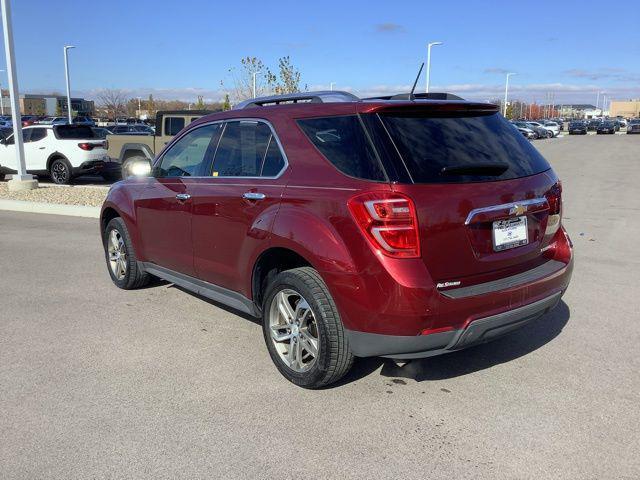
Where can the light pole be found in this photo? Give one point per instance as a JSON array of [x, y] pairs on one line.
[[1, 99], [429, 45], [21, 181], [506, 93], [331, 86], [66, 74]]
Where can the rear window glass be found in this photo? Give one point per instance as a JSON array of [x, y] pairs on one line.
[[73, 132], [462, 148], [343, 141], [173, 125]]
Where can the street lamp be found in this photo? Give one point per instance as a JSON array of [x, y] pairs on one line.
[[66, 74], [331, 86], [21, 181], [506, 93], [1, 99], [429, 45]]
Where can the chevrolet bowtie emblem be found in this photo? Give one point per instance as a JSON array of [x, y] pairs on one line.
[[518, 210]]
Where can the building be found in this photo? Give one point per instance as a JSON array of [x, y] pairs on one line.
[[625, 108], [32, 104], [577, 110]]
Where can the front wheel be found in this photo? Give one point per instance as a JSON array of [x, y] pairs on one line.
[[303, 331], [121, 258]]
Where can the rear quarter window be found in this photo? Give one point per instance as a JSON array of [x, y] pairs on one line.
[[342, 140], [73, 132], [431, 147]]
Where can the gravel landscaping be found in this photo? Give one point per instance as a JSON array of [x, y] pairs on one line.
[[89, 196]]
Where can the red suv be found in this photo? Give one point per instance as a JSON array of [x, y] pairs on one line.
[[398, 227]]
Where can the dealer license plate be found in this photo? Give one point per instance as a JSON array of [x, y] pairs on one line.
[[510, 233]]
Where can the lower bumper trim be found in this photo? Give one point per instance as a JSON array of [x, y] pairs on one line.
[[479, 331]]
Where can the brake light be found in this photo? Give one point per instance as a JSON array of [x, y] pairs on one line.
[[554, 198], [389, 222], [86, 146]]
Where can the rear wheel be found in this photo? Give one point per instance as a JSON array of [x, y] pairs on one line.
[[60, 171], [121, 257], [303, 331]]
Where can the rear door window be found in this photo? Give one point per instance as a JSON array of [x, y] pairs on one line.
[[247, 149], [462, 148], [38, 134], [343, 141]]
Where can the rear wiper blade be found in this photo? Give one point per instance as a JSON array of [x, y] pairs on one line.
[[490, 169]]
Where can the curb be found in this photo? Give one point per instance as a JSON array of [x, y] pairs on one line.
[[50, 208]]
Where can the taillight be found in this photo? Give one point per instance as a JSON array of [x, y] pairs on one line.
[[389, 222], [554, 198], [86, 146]]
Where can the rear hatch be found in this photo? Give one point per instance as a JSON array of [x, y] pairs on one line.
[[84, 137], [482, 192]]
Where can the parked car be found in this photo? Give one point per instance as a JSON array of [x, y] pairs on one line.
[[137, 144], [350, 228], [606, 127], [101, 132], [593, 124], [577, 127], [633, 126], [525, 130], [28, 120], [6, 122], [554, 127], [61, 151], [84, 121], [622, 122], [129, 130], [541, 132], [5, 132]]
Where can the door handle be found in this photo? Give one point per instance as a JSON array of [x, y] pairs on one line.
[[183, 197], [42, 148], [255, 196]]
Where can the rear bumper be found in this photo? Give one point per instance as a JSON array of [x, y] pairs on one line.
[[89, 166], [479, 331]]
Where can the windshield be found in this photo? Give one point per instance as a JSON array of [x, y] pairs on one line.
[[433, 147]]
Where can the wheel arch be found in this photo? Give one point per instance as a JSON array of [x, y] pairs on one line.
[[130, 150], [56, 156], [268, 264]]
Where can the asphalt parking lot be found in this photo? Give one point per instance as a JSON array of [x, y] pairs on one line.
[[158, 383]]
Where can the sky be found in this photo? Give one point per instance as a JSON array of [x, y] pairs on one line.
[[570, 49]]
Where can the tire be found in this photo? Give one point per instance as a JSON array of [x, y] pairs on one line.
[[111, 177], [549, 134], [126, 164], [116, 239], [60, 171], [2, 175], [319, 322]]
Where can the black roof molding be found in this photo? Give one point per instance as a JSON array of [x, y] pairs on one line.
[[418, 96]]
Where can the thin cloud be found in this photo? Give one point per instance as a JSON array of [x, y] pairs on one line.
[[614, 74], [496, 70], [389, 27]]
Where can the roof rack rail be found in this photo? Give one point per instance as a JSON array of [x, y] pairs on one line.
[[418, 96], [325, 96]]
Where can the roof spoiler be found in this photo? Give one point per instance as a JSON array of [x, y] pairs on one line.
[[418, 96]]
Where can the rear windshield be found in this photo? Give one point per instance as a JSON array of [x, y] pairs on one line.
[[74, 132], [458, 149]]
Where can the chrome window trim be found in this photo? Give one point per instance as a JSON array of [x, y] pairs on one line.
[[493, 208], [225, 121]]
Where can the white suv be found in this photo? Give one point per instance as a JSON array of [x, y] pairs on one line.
[[61, 151]]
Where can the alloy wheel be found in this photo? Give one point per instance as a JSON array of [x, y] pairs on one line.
[[294, 330], [59, 172], [117, 254]]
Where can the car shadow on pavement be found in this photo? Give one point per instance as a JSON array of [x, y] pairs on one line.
[[514, 345]]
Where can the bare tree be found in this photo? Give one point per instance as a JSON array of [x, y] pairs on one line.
[[113, 101], [287, 80], [243, 78]]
